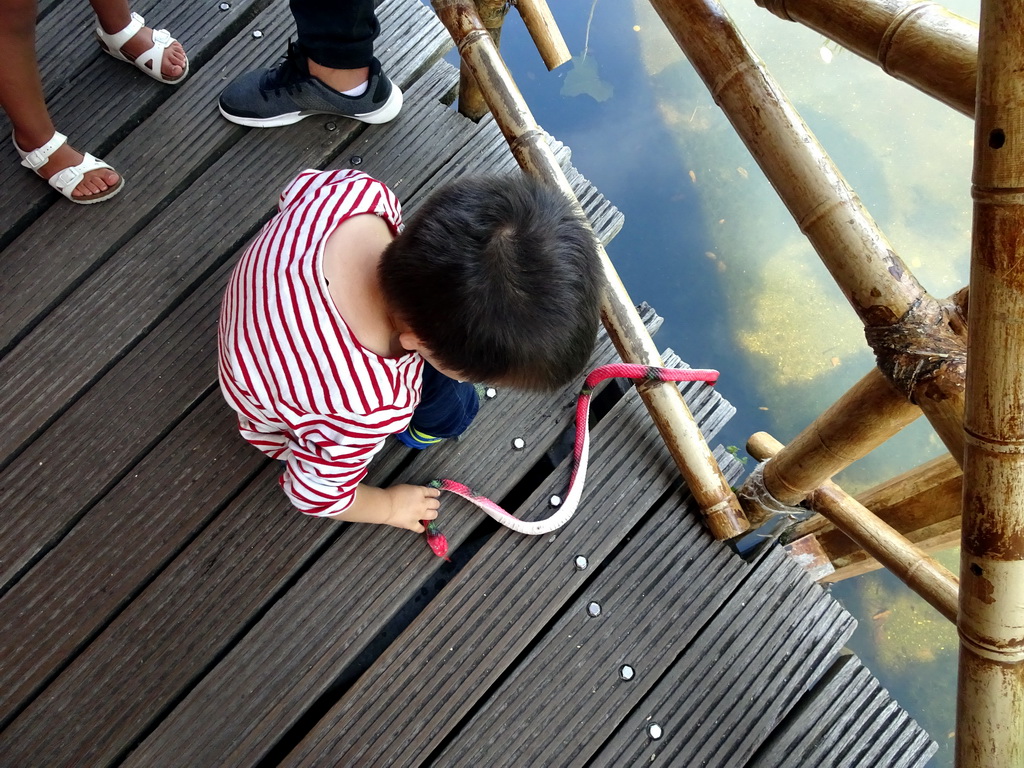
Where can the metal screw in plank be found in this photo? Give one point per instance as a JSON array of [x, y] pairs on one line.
[[581, 563], [626, 672], [654, 731], [518, 444], [593, 610], [256, 34]]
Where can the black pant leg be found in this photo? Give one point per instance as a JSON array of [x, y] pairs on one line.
[[338, 34]]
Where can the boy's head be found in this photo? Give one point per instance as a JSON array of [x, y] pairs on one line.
[[499, 278]]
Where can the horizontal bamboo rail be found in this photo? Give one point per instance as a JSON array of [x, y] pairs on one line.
[[923, 574], [922, 504], [704, 478], [545, 33], [990, 693], [920, 43]]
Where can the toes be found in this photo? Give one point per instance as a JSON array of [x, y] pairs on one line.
[[108, 177], [174, 61], [96, 182]]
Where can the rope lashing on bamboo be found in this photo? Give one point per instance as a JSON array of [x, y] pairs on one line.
[[755, 492], [581, 453], [918, 346]]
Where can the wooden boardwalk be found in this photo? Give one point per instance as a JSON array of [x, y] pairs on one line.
[[161, 605]]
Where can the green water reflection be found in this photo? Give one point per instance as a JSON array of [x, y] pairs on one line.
[[709, 244]]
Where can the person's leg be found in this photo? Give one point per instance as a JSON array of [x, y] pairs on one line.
[[331, 71], [21, 96], [337, 40], [447, 408], [115, 15]]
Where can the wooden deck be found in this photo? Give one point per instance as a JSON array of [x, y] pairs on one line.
[[160, 604]]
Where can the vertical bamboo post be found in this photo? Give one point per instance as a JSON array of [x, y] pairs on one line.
[[545, 33], [990, 695], [471, 101], [920, 43], [706, 482]]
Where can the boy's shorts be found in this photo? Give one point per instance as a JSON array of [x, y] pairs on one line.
[[447, 407]]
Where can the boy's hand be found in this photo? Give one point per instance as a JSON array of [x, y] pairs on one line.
[[410, 504]]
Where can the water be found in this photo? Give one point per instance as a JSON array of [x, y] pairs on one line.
[[708, 244]]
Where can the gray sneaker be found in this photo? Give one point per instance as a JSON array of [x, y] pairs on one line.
[[288, 93]]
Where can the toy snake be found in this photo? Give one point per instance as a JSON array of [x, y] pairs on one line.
[[581, 449]]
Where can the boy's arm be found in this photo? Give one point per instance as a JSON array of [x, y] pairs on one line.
[[402, 506]]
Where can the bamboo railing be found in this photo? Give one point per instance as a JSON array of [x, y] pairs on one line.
[[922, 504], [919, 342], [920, 43], [705, 480], [926, 576], [471, 100], [990, 694], [542, 28]]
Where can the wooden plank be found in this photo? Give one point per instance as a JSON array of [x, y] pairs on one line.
[[96, 100], [140, 664], [68, 243], [147, 277], [75, 526], [217, 589], [220, 723], [567, 696], [59, 458], [728, 689], [847, 720], [436, 673]]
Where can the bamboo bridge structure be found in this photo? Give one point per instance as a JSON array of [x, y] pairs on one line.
[[974, 495], [207, 627]]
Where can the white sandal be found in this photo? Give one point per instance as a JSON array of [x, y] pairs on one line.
[[151, 62], [67, 180]]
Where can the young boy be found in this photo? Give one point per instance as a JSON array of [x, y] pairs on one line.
[[339, 327]]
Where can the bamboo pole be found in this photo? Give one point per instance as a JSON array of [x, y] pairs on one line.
[[706, 482], [471, 101], [922, 504], [866, 416], [918, 341], [990, 694], [920, 43], [545, 33], [923, 574], [871, 412]]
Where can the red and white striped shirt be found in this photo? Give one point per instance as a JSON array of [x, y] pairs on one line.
[[306, 391]]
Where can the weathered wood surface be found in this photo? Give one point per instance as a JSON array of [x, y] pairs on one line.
[[160, 604], [847, 711]]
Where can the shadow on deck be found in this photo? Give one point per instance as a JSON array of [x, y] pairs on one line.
[[160, 604]]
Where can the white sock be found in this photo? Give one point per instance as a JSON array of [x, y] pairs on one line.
[[359, 90]]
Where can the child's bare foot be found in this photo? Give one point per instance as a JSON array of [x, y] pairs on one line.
[[95, 182], [173, 65]]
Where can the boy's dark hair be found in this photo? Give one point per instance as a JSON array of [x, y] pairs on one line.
[[499, 277]]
